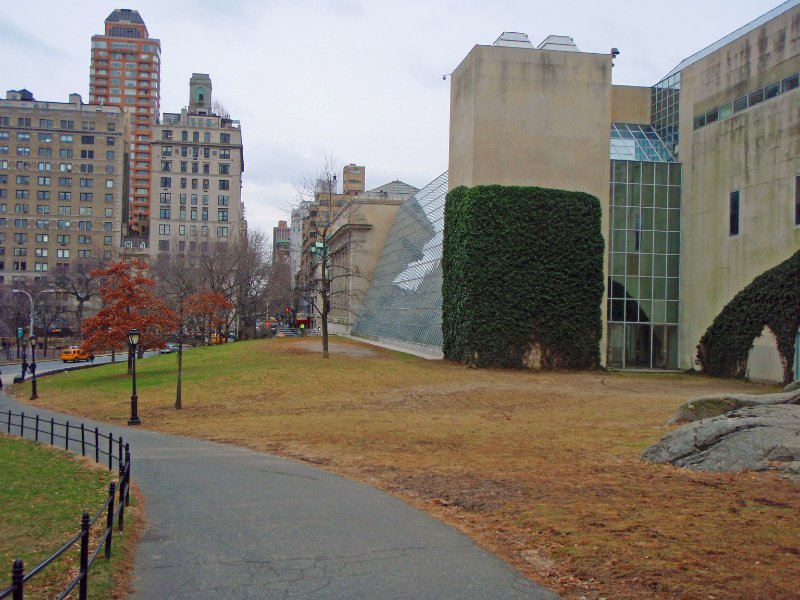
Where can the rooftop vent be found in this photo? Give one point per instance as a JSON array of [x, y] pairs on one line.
[[513, 39], [558, 42]]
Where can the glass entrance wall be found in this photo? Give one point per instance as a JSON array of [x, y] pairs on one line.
[[644, 261]]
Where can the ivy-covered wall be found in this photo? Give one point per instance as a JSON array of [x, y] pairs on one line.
[[771, 299], [522, 278]]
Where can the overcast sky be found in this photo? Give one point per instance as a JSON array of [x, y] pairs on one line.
[[357, 80]]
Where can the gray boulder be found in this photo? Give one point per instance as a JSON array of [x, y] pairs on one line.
[[795, 385], [758, 438], [715, 405]]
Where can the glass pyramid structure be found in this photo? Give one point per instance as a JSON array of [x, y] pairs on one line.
[[403, 305]]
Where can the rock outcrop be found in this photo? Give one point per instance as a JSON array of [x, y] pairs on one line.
[[715, 405], [758, 435]]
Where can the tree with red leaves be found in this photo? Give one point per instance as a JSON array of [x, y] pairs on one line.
[[209, 310], [129, 302]]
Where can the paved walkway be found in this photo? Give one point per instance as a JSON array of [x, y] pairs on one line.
[[223, 522]]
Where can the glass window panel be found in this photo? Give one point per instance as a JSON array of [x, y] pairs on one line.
[[620, 171], [618, 241], [672, 312], [673, 265], [790, 82], [647, 172], [659, 311], [618, 310], [711, 116], [674, 196], [647, 219], [647, 244], [646, 264], [645, 310], [673, 242], [672, 288], [740, 104], [660, 196], [635, 172], [660, 219], [645, 287], [620, 192], [632, 264], [755, 98], [632, 286], [647, 194], [661, 173], [726, 110], [618, 263], [659, 288], [674, 223], [659, 244], [675, 173], [772, 90]]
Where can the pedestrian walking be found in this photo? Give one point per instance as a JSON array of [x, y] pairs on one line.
[[24, 368]]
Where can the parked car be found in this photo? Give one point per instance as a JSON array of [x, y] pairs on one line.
[[169, 348], [75, 354]]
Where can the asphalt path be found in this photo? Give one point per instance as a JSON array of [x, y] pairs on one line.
[[224, 522]]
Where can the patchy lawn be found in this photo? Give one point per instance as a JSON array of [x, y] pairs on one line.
[[43, 492], [541, 468]]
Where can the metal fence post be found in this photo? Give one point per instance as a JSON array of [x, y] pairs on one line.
[[96, 445], [83, 440], [17, 580], [22, 425], [119, 453], [110, 449], [112, 489], [9, 422], [66, 436], [128, 473], [84, 557], [36, 434], [123, 483], [52, 431]]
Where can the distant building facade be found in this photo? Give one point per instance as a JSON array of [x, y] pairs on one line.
[[61, 185], [698, 177], [125, 71], [198, 163], [281, 242]]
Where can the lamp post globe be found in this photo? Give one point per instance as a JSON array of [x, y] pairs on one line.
[[133, 340]]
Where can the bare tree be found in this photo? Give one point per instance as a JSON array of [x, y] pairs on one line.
[[218, 108], [79, 283], [252, 281], [325, 267], [178, 278]]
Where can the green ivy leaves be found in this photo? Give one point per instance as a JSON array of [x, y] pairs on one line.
[[522, 276]]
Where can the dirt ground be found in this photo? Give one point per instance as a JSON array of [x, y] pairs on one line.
[[541, 468]]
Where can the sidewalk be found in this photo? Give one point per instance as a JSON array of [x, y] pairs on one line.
[[224, 522]]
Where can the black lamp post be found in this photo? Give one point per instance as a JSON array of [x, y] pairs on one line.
[[133, 340], [32, 340]]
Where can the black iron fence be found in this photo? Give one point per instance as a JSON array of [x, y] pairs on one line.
[[90, 443]]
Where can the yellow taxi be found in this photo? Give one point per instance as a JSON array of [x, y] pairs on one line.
[[74, 354]]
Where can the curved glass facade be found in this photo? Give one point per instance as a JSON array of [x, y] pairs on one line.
[[403, 305]]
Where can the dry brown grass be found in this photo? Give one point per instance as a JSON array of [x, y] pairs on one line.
[[542, 468]]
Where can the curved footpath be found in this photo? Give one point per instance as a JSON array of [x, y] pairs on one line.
[[224, 522]]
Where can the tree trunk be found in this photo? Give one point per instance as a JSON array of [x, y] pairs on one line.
[[325, 310], [178, 405]]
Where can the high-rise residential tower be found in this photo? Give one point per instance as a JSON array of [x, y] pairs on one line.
[[125, 71]]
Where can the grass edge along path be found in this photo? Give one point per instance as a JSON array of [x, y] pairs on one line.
[[43, 492], [541, 468]]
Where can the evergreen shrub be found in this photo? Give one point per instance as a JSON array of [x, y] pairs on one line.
[[771, 299], [522, 278]]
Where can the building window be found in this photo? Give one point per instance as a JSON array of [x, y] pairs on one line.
[[734, 213], [797, 200], [163, 245], [163, 229]]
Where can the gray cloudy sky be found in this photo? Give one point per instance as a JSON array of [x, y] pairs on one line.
[[359, 80]]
